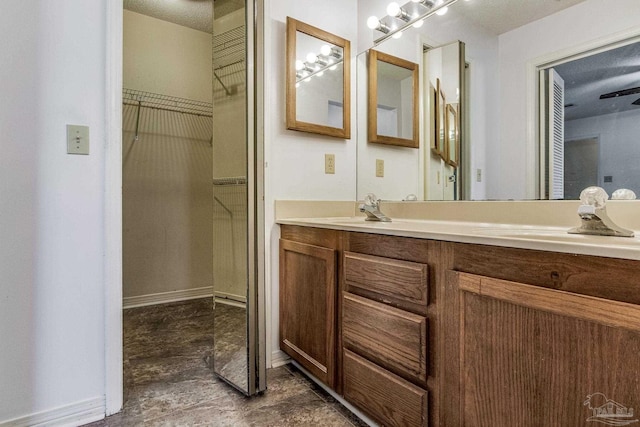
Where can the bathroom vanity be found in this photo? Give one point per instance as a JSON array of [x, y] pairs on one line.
[[417, 326]]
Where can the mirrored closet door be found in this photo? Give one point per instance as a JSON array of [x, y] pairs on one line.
[[238, 357]]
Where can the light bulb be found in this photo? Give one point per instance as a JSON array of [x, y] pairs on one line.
[[442, 11], [325, 50], [393, 9], [397, 35], [311, 57], [320, 74], [299, 65], [333, 67], [307, 80], [297, 84], [418, 24], [373, 22]]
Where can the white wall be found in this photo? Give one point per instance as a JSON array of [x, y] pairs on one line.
[[166, 58], [167, 202], [295, 160], [619, 147], [573, 27], [51, 206]]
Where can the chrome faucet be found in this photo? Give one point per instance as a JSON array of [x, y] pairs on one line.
[[371, 207], [593, 214]]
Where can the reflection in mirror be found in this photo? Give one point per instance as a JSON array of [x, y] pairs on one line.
[[453, 153], [318, 89], [438, 125], [393, 100], [503, 147], [230, 202], [600, 99], [236, 356]]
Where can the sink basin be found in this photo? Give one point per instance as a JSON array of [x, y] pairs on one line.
[[558, 235], [358, 220]]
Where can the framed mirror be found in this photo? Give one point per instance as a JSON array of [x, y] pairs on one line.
[[453, 152], [318, 81], [440, 128], [503, 148], [393, 100]]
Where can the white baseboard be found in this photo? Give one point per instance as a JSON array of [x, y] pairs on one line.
[[84, 412], [165, 297], [279, 358], [228, 296]]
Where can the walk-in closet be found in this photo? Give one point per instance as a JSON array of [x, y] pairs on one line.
[[185, 188]]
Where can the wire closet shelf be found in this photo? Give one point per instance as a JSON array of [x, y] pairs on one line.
[[166, 103], [156, 101]]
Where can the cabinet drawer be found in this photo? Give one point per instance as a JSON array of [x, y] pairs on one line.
[[391, 337], [390, 278], [385, 397]]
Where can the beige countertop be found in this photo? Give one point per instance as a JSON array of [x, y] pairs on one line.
[[535, 236]]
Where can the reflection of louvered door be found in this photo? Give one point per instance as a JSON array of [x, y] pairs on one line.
[[555, 98]]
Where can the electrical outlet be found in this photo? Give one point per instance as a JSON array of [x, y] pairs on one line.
[[478, 175], [330, 163], [379, 168]]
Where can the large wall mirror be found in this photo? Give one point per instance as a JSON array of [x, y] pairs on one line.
[[318, 81], [393, 100], [506, 52]]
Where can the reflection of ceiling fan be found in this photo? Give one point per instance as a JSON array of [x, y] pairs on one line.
[[624, 92]]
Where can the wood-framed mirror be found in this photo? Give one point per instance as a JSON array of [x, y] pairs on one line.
[[439, 146], [393, 100], [452, 140], [318, 81]]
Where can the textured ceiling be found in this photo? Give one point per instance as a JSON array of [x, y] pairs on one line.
[[194, 14], [500, 16], [587, 78]]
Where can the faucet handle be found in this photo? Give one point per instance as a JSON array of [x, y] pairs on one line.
[[594, 196], [371, 200], [623, 194]]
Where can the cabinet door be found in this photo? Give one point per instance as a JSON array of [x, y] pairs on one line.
[[308, 307], [532, 356]]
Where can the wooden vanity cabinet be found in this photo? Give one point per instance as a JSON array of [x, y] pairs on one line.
[[308, 298], [384, 327], [554, 341], [416, 332]]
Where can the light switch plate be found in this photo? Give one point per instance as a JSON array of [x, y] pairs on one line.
[[77, 139]]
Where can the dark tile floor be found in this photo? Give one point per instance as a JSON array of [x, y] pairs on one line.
[[169, 381]]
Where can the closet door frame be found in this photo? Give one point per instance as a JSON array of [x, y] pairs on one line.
[[113, 388]]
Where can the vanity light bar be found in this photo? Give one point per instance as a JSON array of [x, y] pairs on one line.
[[402, 13], [329, 58]]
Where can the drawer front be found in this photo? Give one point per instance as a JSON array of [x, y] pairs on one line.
[[397, 280], [385, 397], [391, 337]]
